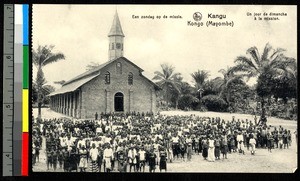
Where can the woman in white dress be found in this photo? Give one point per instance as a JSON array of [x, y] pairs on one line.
[[211, 149]]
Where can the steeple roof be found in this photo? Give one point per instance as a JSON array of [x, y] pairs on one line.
[[116, 28]]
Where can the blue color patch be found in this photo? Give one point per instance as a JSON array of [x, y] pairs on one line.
[[25, 24]]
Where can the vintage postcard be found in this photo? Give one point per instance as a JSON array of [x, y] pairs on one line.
[[164, 88]]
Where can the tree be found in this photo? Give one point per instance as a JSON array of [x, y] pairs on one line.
[[169, 81], [214, 103], [224, 82], [61, 82], [200, 77], [265, 68], [91, 66], [46, 90], [285, 85], [40, 58], [186, 99]]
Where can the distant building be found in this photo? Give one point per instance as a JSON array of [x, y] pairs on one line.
[[117, 85]]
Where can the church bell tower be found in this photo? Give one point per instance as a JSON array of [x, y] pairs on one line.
[[116, 39]]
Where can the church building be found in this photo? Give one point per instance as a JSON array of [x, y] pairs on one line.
[[117, 85]]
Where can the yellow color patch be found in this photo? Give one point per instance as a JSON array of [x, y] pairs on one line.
[[25, 110]]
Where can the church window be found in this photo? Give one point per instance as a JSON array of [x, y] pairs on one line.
[[112, 46], [130, 78], [107, 78], [118, 46], [119, 68]]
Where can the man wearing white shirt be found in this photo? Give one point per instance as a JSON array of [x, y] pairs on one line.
[[189, 148], [81, 142], [94, 155], [240, 140], [132, 158], [252, 143], [98, 130], [108, 156], [142, 154]]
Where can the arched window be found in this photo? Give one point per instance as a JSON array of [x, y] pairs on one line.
[[107, 78], [130, 78], [112, 46], [118, 46], [119, 68]]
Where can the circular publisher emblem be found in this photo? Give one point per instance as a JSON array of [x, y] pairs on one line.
[[197, 16]]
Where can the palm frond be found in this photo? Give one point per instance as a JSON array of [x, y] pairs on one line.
[[255, 55], [242, 60], [53, 58], [276, 53], [266, 52]]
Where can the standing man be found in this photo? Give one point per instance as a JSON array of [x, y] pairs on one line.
[[142, 155], [108, 156], [163, 159], [240, 140], [132, 158], [189, 148], [211, 149], [83, 158], [252, 143], [121, 157], [94, 157], [96, 116], [152, 162]]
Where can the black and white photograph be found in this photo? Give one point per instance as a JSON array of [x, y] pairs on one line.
[[164, 88]]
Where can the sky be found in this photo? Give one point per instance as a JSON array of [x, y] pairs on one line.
[[80, 33]]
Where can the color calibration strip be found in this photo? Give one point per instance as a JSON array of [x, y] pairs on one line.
[[25, 94], [8, 90], [15, 90], [18, 69]]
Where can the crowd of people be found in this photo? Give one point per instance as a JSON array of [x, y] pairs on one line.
[[134, 142]]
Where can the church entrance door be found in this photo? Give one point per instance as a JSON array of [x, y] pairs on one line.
[[119, 102]]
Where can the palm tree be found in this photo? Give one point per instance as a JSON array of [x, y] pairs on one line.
[[265, 68], [40, 58], [91, 66], [200, 77], [169, 82], [61, 82], [223, 82]]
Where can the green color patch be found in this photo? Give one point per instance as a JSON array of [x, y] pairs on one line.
[[25, 67]]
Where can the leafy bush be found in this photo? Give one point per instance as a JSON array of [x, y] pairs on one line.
[[214, 103], [185, 102]]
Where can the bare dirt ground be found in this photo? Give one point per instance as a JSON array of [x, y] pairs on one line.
[[278, 161]]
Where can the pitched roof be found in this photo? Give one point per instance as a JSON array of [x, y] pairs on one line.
[[85, 77], [73, 86], [97, 69], [116, 28]]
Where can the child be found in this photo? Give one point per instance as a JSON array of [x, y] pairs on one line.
[[252, 143], [224, 146]]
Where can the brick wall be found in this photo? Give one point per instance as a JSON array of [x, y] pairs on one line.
[[99, 97]]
